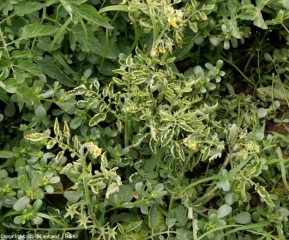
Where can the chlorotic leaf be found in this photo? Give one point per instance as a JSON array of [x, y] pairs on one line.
[[97, 118]]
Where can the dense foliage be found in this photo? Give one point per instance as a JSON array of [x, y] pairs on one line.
[[144, 119]]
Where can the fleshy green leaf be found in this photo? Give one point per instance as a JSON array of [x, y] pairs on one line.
[[224, 210], [243, 218], [72, 196], [40, 112], [21, 204], [6, 154]]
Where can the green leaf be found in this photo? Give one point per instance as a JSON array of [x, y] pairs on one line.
[[21, 204], [243, 218], [76, 122], [49, 68], [36, 30], [170, 222], [91, 43], [67, 105], [26, 95], [99, 117], [6, 154], [25, 7], [155, 218], [37, 220], [40, 112], [54, 180], [3, 173], [4, 74], [125, 194], [262, 112], [180, 214], [72, 196], [29, 66], [49, 189], [23, 182], [224, 210], [89, 13], [37, 205], [184, 234], [285, 4]]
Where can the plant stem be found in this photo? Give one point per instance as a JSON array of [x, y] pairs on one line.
[[172, 199], [243, 75], [127, 129], [86, 189]]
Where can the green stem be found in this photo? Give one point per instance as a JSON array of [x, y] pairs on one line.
[[243, 75], [155, 31], [173, 196], [127, 129], [226, 162], [86, 189], [207, 196]]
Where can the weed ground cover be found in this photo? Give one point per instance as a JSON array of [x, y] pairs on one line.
[[142, 119]]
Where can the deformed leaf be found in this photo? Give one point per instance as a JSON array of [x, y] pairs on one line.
[[112, 188], [167, 137], [264, 194], [35, 137], [97, 118]]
